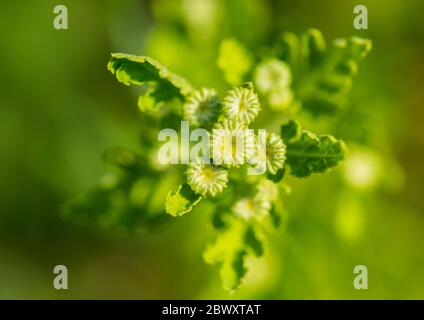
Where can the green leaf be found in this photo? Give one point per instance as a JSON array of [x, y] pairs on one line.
[[252, 241], [119, 203], [314, 47], [230, 249], [327, 75], [234, 60], [307, 153], [233, 270], [311, 154], [291, 131], [181, 201], [139, 70]]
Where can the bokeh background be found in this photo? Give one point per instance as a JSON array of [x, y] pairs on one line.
[[61, 109]]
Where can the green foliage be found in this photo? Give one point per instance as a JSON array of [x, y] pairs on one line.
[[323, 74], [307, 153], [230, 250], [138, 70], [300, 74], [181, 201], [122, 200]]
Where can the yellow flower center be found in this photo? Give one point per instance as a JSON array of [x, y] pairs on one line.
[[208, 175], [242, 105]]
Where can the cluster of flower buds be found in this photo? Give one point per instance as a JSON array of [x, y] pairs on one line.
[[233, 144]]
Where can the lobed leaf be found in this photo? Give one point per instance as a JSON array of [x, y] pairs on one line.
[[138, 70], [230, 249], [181, 201], [322, 76], [311, 154]]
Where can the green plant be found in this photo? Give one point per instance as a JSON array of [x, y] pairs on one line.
[[295, 76]]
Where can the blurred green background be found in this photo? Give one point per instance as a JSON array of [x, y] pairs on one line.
[[61, 109]]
